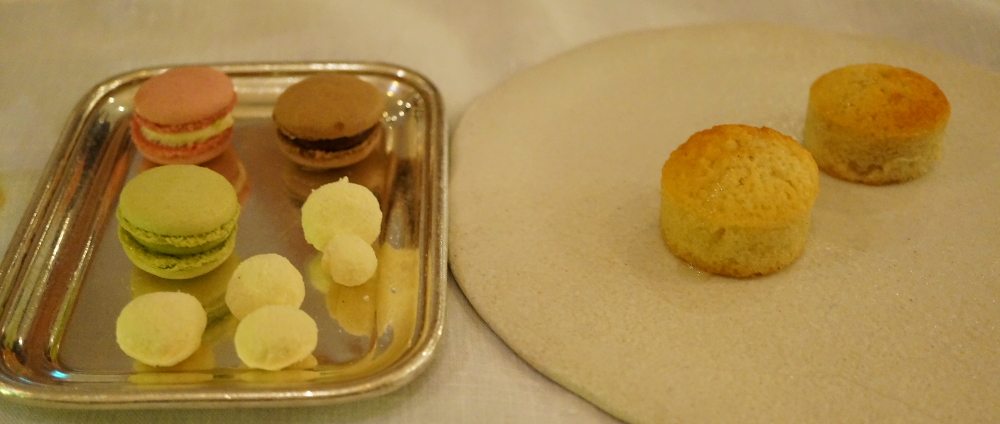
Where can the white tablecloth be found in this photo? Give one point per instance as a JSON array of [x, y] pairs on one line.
[[52, 52]]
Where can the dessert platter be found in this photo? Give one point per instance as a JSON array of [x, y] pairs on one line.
[[194, 244], [583, 246]]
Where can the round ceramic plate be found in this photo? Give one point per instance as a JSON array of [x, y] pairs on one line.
[[890, 314]]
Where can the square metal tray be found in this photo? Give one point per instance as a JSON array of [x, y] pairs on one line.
[[64, 277]]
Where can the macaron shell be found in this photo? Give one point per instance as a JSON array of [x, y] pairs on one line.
[[178, 200], [328, 106], [228, 164], [175, 267], [193, 125], [184, 95]]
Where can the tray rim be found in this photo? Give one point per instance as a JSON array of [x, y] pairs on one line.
[[38, 215]]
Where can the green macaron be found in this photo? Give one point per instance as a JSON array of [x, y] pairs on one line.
[[178, 221]]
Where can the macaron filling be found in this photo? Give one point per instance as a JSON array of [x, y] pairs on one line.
[[175, 266], [178, 244], [199, 152], [184, 138], [330, 145]]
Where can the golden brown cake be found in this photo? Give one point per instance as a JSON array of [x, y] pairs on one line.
[[875, 124], [736, 200]]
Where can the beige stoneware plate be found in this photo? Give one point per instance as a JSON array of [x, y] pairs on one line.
[[892, 314]]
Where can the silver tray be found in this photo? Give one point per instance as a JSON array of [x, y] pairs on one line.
[[64, 278]]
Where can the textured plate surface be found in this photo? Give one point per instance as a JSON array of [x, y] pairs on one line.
[[890, 315], [62, 288]]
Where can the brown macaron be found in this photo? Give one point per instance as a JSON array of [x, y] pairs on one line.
[[328, 120]]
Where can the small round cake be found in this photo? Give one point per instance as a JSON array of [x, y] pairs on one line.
[[162, 328], [341, 207], [275, 337], [261, 280], [736, 200], [349, 260], [875, 124]]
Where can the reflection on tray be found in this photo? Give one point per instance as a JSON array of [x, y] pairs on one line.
[[209, 289], [228, 164], [373, 172]]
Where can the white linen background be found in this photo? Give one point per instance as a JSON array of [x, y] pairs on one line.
[[53, 52]]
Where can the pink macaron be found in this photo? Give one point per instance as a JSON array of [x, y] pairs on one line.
[[184, 116]]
